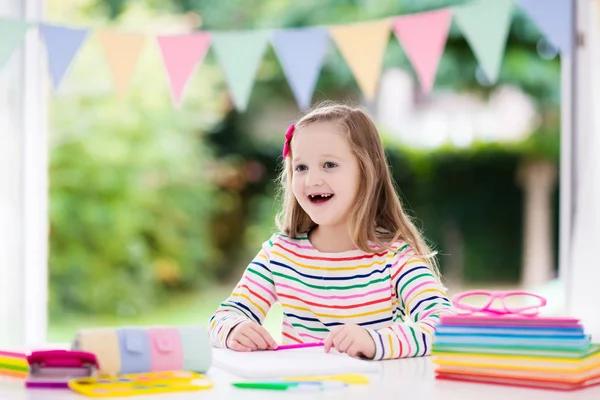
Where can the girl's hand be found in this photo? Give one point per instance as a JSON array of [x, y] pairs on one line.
[[250, 336], [351, 339]]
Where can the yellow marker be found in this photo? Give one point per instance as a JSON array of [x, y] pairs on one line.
[[352, 379]]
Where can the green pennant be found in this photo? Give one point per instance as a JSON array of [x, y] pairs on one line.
[[12, 33], [240, 54], [485, 25]]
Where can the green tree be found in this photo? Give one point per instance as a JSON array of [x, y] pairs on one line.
[[131, 192]]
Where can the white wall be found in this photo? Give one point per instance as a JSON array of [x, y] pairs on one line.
[[23, 187]]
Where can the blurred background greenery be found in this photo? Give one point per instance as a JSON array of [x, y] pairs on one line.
[[155, 211]]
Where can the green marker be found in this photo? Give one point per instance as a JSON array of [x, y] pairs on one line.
[[301, 386]]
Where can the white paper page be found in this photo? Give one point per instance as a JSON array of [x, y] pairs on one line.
[[284, 363]]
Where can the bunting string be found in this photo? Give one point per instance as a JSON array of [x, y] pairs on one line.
[[301, 51]]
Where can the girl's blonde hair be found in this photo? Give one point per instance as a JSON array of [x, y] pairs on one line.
[[377, 215]]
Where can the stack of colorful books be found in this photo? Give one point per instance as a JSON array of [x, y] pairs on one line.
[[541, 352], [13, 364]]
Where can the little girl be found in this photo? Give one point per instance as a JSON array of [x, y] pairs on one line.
[[348, 266]]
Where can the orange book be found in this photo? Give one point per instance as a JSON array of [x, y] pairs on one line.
[[580, 382]]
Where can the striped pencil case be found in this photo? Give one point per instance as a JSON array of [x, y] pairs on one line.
[[133, 350]]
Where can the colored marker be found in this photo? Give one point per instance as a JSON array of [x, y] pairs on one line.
[[299, 346], [300, 386]]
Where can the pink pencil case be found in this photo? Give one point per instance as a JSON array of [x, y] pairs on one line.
[[132, 350]]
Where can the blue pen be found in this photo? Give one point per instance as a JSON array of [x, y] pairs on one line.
[[302, 386]]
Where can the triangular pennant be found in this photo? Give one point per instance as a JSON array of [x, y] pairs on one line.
[[240, 54], [553, 18], [301, 53], [181, 56], [485, 25], [62, 45], [423, 37], [363, 46], [122, 52], [12, 33]]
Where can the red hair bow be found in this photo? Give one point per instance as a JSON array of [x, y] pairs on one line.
[[288, 139]]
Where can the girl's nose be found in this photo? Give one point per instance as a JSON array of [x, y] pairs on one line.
[[313, 179]]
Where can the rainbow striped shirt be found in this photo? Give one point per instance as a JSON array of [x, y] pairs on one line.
[[392, 294]]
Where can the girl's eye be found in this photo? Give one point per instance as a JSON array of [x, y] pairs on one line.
[[300, 168], [330, 164]]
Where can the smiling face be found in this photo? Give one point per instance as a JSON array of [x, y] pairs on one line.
[[326, 174]]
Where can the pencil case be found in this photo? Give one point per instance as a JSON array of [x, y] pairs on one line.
[[135, 350]]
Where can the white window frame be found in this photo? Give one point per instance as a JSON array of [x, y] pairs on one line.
[[24, 202], [35, 185]]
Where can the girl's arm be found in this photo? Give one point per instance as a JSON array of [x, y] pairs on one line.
[[251, 299], [422, 300]]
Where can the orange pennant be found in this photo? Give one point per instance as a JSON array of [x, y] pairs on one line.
[[363, 46], [122, 51]]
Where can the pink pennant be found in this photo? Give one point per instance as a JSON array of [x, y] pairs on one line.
[[181, 55], [423, 37]]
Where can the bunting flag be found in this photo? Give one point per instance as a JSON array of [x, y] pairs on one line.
[[363, 46], [301, 53], [423, 37], [240, 54], [12, 33], [554, 19], [181, 56], [122, 52], [485, 24], [62, 45]]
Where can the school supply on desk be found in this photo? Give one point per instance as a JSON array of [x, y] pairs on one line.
[[351, 379], [463, 321], [141, 384], [55, 368], [484, 303], [509, 331], [131, 350], [516, 341], [13, 361], [13, 364], [566, 385], [293, 362], [514, 345], [299, 346], [509, 351], [306, 386]]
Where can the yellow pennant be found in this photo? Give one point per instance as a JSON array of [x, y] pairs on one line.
[[363, 46], [122, 52]]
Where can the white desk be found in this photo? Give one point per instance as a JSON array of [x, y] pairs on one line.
[[407, 379]]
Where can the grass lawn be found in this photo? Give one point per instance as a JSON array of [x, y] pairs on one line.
[[180, 310]]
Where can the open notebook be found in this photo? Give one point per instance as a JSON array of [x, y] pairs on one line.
[[280, 364]]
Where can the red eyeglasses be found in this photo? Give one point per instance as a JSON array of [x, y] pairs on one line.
[[481, 301]]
